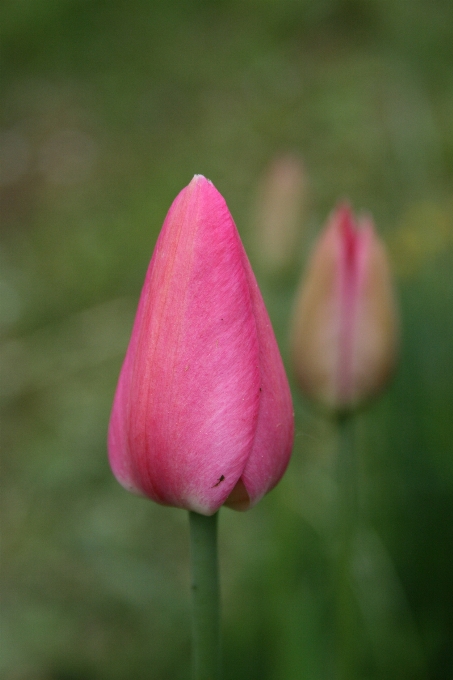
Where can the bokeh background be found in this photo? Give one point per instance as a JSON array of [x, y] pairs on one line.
[[108, 108]]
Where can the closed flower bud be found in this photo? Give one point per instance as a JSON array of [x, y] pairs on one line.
[[345, 330], [202, 414], [279, 213]]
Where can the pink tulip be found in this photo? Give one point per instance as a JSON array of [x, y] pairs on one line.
[[344, 340], [202, 414]]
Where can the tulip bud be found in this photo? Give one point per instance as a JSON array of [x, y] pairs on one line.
[[345, 330], [202, 414], [279, 212]]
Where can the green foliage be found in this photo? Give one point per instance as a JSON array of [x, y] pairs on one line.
[[108, 109]]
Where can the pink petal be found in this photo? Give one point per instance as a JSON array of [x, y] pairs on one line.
[[274, 435], [186, 410]]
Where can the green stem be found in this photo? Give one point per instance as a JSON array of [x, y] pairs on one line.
[[347, 475], [205, 597], [348, 630]]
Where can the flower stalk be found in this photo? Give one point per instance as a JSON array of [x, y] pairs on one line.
[[347, 615], [205, 597]]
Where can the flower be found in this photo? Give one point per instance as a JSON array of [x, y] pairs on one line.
[[279, 212], [202, 414], [345, 329]]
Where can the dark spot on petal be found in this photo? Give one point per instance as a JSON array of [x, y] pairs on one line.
[[221, 478]]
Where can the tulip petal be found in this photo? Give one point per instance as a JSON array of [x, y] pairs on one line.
[[316, 322], [274, 435], [376, 323], [187, 406]]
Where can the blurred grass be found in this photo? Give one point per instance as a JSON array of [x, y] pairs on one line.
[[108, 109]]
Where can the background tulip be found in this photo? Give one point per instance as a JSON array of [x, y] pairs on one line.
[[279, 212], [344, 336], [202, 414]]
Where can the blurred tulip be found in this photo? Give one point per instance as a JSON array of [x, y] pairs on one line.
[[279, 212], [345, 329], [202, 414]]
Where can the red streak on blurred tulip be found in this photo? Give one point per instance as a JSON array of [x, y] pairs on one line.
[[345, 336], [202, 414]]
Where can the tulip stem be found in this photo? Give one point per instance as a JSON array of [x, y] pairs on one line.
[[348, 630], [205, 597], [347, 475]]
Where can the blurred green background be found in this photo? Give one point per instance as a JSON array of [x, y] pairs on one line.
[[108, 108]]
